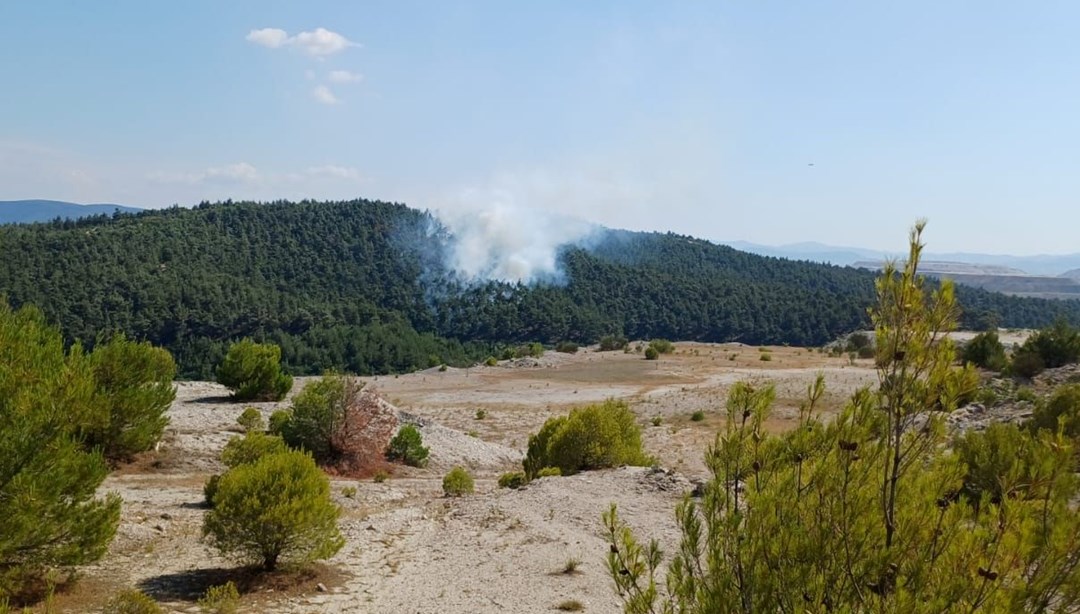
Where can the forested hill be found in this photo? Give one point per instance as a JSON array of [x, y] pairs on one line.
[[359, 286]]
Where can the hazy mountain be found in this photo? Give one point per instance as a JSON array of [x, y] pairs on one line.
[[1044, 264], [25, 211]]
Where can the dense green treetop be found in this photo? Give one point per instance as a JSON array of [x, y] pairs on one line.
[[360, 286]]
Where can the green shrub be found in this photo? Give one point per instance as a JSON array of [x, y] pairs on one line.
[[481, 414], [697, 416], [1060, 412], [985, 351], [318, 415], [274, 510], [251, 420], [349, 492], [491, 361], [380, 476], [131, 602], [1004, 460], [610, 343], [221, 599], [253, 372], [651, 353], [663, 346], [135, 388], [566, 347], [278, 421], [987, 396], [657, 420], [856, 342], [210, 489], [549, 472], [457, 482], [51, 515], [592, 437], [1057, 346], [1026, 394], [408, 447], [442, 368], [766, 357], [513, 480], [1026, 363], [866, 352], [250, 448]]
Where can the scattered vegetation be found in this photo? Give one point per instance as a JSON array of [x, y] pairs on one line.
[[1059, 413], [571, 566], [611, 343], [408, 447], [883, 523], [380, 476], [549, 472], [221, 599], [513, 480], [253, 372], [481, 414], [697, 416], [273, 510], [592, 437], [657, 420], [651, 353], [985, 351], [566, 347], [318, 416], [765, 357], [457, 482], [570, 605], [251, 420], [131, 602], [662, 346]]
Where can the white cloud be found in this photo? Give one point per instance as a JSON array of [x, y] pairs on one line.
[[344, 76], [240, 172], [324, 95], [319, 43], [268, 37]]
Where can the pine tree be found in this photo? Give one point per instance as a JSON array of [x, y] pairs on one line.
[[49, 515], [867, 512]]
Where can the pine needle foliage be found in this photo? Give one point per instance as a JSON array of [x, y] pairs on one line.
[[865, 512], [50, 516], [135, 386], [253, 372], [277, 509]]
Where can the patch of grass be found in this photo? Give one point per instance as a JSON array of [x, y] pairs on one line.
[[571, 566], [697, 416], [657, 420], [570, 605], [765, 357], [380, 476], [349, 492], [221, 599], [481, 414]]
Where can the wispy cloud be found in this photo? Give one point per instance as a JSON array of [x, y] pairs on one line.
[[240, 172], [344, 76], [243, 173], [319, 43], [324, 95], [268, 37]]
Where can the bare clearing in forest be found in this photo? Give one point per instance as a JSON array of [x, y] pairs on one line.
[[410, 549]]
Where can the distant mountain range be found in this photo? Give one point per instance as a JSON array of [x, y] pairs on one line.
[[849, 256], [25, 211]]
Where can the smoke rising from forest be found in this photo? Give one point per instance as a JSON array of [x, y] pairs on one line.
[[503, 241]]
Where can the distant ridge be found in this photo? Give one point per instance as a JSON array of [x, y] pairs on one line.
[[1046, 264], [27, 211]]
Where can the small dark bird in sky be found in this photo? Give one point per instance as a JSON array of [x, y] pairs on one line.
[[811, 164]]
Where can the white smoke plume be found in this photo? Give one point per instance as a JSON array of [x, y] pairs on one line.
[[503, 241]]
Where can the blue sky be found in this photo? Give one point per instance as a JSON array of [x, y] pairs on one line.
[[772, 122]]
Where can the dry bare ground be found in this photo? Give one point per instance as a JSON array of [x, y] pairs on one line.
[[409, 549]]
